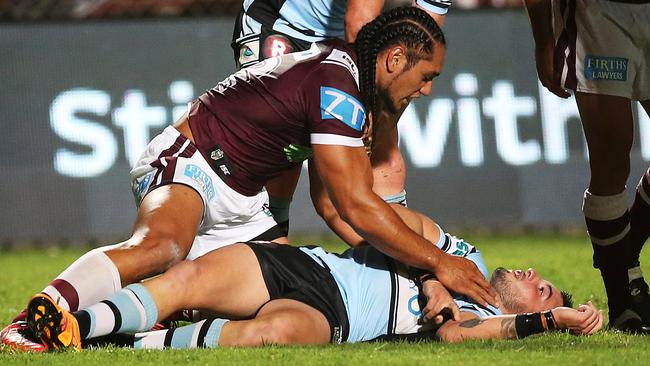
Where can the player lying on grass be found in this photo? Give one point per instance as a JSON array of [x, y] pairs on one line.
[[264, 293]]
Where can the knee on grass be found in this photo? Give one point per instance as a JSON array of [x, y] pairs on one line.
[[270, 330]]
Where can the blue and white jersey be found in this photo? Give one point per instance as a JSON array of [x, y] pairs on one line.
[[312, 20], [379, 296], [466, 304]]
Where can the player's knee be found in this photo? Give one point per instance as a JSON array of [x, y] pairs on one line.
[[280, 331], [270, 330], [180, 275]]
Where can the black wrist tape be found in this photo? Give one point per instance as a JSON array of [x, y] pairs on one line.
[[550, 320], [427, 277], [527, 324]]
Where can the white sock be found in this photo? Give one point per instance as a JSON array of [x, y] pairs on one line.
[[90, 279]]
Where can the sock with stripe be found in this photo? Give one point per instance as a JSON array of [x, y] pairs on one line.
[[608, 224], [90, 279], [640, 216], [130, 310], [204, 334]]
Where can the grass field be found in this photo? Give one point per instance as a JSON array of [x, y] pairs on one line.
[[565, 260]]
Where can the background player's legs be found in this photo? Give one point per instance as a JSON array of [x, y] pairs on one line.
[[227, 282], [163, 233], [640, 230], [281, 189], [608, 126], [640, 211]]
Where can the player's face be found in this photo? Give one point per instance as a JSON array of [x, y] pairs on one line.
[[525, 291], [407, 84]]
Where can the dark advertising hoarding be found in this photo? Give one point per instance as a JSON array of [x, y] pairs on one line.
[[80, 101]]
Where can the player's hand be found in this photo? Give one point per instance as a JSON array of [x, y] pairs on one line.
[[297, 153], [461, 275], [548, 75], [584, 320], [440, 305]]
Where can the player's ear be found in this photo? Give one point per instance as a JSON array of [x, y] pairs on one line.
[[395, 58]]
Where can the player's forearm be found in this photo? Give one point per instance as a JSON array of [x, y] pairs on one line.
[[344, 231], [358, 14], [512, 326], [539, 13], [325, 209], [378, 223], [499, 327], [439, 18]]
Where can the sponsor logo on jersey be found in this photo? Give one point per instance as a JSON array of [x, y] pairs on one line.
[[249, 52], [197, 174], [337, 336], [216, 154], [267, 210], [276, 45], [141, 186], [338, 57], [605, 68], [414, 306], [339, 105]]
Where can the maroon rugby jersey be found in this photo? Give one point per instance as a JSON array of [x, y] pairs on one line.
[[304, 98]]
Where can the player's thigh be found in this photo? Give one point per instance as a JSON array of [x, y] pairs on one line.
[[281, 321], [607, 121], [164, 229], [173, 210], [227, 281]]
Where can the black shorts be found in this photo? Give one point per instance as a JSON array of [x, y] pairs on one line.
[[289, 273]]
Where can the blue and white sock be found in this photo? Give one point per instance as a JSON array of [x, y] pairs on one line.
[[130, 310], [204, 334]]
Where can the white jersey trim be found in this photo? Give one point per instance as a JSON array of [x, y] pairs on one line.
[[332, 139], [440, 7], [341, 58]]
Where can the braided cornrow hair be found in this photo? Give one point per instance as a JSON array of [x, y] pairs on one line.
[[409, 26]]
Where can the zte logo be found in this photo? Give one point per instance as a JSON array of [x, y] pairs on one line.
[[336, 104]]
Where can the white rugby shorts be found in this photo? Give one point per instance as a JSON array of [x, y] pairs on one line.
[[228, 216], [603, 47]]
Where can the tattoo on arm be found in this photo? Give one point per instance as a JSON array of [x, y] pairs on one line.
[[471, 323], [508, 330]]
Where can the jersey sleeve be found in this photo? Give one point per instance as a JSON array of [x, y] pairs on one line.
[[459, 247], [435, 6], [332, 101], [467, 305]]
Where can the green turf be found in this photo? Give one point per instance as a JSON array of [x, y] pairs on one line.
[[565, 260]]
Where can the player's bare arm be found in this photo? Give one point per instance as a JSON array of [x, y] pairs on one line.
[[539, 12], [346, 175], [585, 320], [358, 14], [325, 209]]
